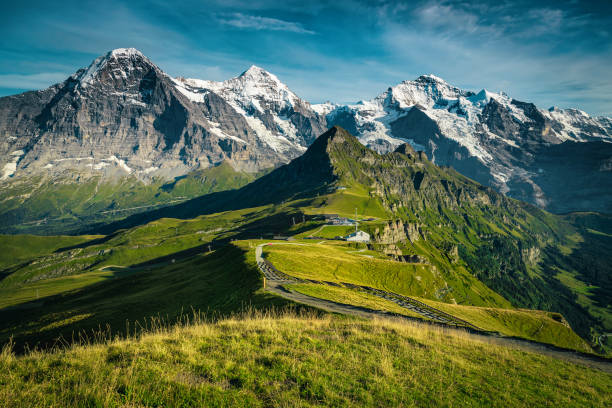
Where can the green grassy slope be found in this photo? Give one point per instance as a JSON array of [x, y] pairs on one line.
[[164, 268], [537, 325], [344, 264], [338, 264], [19, 248], [68, 204], [218, 283], [299, 361]]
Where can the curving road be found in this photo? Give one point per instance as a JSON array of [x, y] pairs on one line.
[[276, 280]]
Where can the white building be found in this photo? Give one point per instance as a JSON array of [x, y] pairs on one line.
[[358, 236]]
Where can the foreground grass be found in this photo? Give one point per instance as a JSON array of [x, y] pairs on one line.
[[536, 325], [298, 361]]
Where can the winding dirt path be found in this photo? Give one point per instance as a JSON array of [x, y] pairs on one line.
[[275, 282]]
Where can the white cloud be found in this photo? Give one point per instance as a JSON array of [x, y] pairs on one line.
[[240, 20], [444, 16]]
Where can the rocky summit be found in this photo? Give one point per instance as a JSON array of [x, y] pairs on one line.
[[123, 115]]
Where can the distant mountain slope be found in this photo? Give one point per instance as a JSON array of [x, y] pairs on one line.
[[498, 141]]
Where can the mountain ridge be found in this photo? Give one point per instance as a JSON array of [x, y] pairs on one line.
[[124, 117], [490, 137]]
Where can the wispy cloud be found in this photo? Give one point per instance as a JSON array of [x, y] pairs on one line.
[[34, 81], [245, 21]]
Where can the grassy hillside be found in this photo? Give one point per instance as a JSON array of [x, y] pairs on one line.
[[341, 263], [164, 269], [19, 248], [299, 361], [67, 204]]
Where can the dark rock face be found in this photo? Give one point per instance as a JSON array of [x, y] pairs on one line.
[[416, 125], [580, 173], [123, 115], [498, 119]]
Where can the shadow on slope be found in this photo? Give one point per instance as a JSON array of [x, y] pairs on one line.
[[307, 176], [218, 284]]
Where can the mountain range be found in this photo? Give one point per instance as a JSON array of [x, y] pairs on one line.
[[122, 118]]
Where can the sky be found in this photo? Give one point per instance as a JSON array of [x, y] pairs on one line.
[[547, 52]]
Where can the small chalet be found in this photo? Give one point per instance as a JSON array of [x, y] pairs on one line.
[[358, 236]]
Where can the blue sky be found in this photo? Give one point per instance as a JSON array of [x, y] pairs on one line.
[[547, 52]]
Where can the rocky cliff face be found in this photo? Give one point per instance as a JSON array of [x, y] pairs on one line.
[[514, 146], [123, 115], [398, 231]]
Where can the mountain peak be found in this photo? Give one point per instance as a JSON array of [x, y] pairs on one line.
[[430, 78], [258, 74], [255, 70], [125, 52], [125, 59], [336, 140]]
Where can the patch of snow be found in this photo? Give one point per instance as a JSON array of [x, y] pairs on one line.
[[149, 170], [323, 108], [215, 129], [73, 158], [573, 121], [48, 166], [98, 166], [8, 170], [286, 128], [138, 103], [11, 167], [277, 143], [126, 52], [192, 92], [120, 163], [87, 77]]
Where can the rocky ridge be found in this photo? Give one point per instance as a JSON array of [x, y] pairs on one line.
[[494, 139], [123, 115]]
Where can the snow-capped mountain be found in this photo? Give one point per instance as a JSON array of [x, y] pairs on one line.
[[499, 141], [278, 116], [122, 115]]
